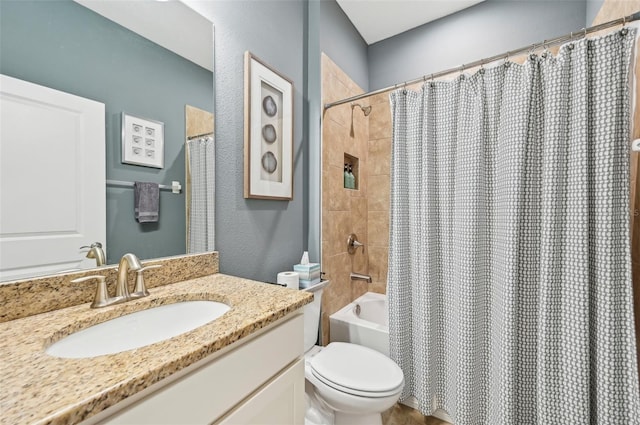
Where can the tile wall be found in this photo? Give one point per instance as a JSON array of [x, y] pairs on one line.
[[379, 155], [364, 211]]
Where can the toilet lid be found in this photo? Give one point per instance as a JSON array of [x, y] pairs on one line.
[[357, 370]]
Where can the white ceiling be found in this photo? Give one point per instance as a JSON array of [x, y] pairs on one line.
[[164, 23], [376, 20]]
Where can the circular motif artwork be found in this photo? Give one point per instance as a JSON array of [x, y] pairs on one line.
[[269, 162], [269, 133], [269, 106]]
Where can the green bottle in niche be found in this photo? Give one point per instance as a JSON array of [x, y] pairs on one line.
[[352, 178], [346, 177]]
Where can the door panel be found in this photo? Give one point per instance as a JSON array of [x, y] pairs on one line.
[[52, 178]]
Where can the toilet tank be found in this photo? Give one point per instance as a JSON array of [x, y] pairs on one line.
[[312, 315]]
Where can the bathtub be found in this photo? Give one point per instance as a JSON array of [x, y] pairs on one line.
[[365, 321]]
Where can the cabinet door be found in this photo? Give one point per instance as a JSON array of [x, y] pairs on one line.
[[280, 402], [207, 393]]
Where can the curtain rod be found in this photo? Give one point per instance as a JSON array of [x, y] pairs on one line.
[[546, 43], [210, 134]]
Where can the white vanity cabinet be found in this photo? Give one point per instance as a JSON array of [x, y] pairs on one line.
[[258, 379]]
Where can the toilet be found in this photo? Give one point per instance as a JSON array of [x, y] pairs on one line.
[[345, 383]]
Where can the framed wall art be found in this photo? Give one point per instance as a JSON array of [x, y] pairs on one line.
[[268, 132], [142, 141]]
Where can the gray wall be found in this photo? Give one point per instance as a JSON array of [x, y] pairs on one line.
[[342, 43], [63, 45], [313, 103], [483, 30], [593, 7], [256, 238]]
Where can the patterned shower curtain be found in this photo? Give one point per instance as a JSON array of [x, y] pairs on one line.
[[201, 212], [509, 265]]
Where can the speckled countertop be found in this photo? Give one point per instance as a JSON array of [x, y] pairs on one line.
[[38, 388]]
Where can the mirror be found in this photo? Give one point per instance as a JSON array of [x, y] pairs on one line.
[[68, 47]]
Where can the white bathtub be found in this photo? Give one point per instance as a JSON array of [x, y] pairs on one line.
[[366, 325]]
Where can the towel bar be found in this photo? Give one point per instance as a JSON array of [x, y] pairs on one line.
[[175, 187]]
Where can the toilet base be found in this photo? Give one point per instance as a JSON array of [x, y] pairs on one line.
[[347, 419]]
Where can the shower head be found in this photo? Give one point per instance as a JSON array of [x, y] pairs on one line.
[[366, 110]]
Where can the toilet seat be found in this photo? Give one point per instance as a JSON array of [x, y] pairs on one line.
[[357, 370], [352, 391]]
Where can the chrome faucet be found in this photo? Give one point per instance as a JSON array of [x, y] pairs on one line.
[[358, 276], [96, 252], [127, 262]]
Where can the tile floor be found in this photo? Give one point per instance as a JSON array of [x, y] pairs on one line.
[[405, 415]]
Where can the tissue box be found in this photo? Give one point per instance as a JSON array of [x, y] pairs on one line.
[[305, 283], [308, 272]]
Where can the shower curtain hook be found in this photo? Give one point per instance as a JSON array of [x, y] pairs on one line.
[[532, 55], [584, 35], [545, 48], [624, 31]]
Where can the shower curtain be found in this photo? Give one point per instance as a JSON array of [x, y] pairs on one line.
[[509, 267], [201, 163]]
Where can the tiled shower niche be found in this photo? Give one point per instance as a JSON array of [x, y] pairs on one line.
[[354, 165]]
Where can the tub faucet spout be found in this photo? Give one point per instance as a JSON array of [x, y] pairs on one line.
[[358, 276]]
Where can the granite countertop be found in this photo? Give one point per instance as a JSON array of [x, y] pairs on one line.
[[38, 388]]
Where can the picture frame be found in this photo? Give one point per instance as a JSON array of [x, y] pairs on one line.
[[142, 141], [268, 132]]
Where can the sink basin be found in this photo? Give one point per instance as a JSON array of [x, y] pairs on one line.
[[137, 329]]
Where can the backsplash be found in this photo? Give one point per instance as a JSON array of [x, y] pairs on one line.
[[26, 297]]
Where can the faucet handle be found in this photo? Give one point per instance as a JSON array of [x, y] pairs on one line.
[[96, 252], [101, 299], [93, 245], [140, 289], [353, 244]]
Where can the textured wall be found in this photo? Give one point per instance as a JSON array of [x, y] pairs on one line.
[[63, 45], [343, 44], [256, 238], [483, 30]]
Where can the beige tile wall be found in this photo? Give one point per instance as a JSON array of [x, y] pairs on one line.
[[365, 211], [379, 155]]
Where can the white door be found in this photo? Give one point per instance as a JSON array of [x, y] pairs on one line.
[[52, 178]]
